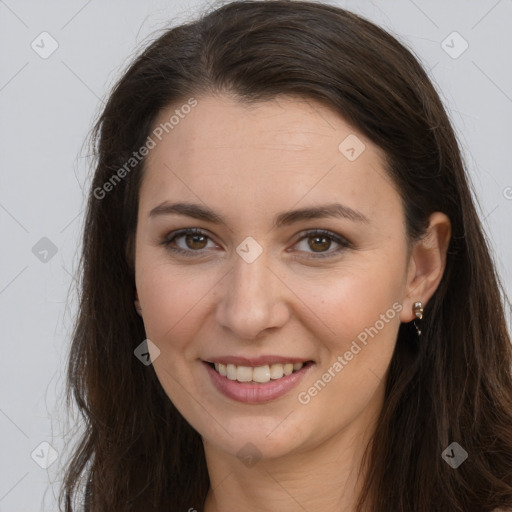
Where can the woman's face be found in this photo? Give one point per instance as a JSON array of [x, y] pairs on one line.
[[259, 287]]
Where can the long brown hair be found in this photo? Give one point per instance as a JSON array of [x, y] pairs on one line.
[[137, 452]]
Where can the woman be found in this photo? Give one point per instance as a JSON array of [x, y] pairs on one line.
[[287, 301]]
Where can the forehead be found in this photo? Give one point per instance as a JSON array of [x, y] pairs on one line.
[[282, 151], [290, 124]]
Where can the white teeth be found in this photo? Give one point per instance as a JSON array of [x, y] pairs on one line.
[[231, 372], [261, 374], [276, 371], [243, 373]]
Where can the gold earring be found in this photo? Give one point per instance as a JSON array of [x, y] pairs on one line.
[[418, 311]]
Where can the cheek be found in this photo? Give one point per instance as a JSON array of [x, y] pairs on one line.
[[362, 308], [354, 297], [170, 297]]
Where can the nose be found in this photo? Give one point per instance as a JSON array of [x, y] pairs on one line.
[[252, 299]]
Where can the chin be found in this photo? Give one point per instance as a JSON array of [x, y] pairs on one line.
[[264, 437]]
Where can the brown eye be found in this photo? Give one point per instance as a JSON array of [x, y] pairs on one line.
[[319, 242], [195, 241], [193, 244]]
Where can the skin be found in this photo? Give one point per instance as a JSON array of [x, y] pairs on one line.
[[249, 163]]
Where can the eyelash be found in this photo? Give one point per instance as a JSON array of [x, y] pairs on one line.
[[171, 237]]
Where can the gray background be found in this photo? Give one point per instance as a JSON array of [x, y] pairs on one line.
[[47, 106]]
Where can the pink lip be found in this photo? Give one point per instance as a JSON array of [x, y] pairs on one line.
[[255, 393], [255, 361]]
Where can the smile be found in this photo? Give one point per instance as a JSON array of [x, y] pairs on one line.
[[256, 384], [258, 374]]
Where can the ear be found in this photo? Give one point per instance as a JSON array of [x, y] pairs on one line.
[[137, 304], [426, 264]]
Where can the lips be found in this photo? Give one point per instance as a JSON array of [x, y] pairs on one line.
[[256, 380]]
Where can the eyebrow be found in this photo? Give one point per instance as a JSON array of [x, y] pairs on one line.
[[200, 212]]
